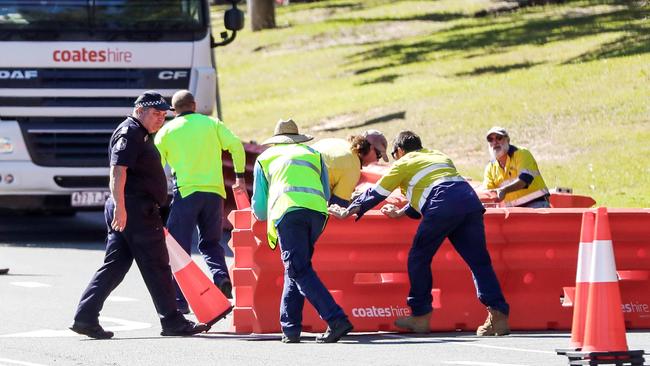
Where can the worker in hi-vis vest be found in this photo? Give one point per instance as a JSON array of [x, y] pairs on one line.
[[449, 208], [290, 191]]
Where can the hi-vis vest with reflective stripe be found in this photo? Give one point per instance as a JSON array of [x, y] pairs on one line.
[[293, 172], [417, 174]]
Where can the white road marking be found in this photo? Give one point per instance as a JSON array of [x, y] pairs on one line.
[[122, 325], [30, 284], [15, 362], [474, 363], [505, 348], [121, 299], [481, 345]]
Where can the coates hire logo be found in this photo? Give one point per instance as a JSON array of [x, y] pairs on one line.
[[380, 312], [86, 55], [635, 307]]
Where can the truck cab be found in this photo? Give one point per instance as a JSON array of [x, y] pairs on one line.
[[69, 73]]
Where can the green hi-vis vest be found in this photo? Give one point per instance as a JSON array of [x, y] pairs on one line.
[[293, 172]]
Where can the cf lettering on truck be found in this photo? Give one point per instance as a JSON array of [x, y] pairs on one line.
[[69, 73]]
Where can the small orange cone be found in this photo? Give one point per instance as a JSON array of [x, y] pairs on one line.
[[605, 327], [582, 279], [205, 299]]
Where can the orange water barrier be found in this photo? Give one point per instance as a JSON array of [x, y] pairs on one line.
[[363, 264]]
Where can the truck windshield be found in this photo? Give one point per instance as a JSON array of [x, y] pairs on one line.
[[103, 20]]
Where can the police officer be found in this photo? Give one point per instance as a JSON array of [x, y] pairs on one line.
[[135, 229]]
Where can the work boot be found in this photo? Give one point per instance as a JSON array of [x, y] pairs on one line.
[[91, 330], [496, 324], [417, 324], [226, 288], [335, 331]]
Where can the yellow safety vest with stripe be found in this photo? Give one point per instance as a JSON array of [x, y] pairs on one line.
[[417, 173], [520, 161], [293, 172]]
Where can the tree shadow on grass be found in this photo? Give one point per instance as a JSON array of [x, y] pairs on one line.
[[498, 69], [519, 33]]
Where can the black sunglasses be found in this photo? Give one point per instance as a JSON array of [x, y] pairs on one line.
[[394, 153]]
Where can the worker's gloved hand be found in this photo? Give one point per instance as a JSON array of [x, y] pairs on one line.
[[341, 212], [391, 211]]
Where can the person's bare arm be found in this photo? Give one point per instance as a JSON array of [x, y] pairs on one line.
[[116, 185]]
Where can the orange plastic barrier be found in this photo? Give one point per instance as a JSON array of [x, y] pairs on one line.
[[534, 253], [252, 152]]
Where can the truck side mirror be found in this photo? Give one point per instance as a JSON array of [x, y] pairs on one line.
[[233, 20]]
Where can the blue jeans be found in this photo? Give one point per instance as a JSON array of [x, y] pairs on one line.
[[298, 231], [467, 234], [205, 210]]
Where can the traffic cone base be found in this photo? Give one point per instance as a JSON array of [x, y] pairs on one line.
[[607, 333]]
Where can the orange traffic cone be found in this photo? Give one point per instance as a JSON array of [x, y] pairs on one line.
[[582, 279], [605, 327], [604, 336], [205, 299]]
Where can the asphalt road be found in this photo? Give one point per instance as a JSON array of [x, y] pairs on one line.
[[51, 260]]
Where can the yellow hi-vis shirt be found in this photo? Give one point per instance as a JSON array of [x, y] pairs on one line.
[[417, 173], [519, 161], [343, 166], [192, 144]]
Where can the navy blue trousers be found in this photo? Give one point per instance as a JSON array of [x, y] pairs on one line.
[[143, 240], [466, 233], [298, 231], [205, 210]]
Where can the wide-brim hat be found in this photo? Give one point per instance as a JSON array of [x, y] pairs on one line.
[[286, 132]]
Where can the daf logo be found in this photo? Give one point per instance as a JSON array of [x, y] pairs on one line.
[[172, 75], [18, 74]]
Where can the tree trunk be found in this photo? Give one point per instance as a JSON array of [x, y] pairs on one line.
[[261, 14]]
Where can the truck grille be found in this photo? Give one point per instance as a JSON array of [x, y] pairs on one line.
[[56, 78], [68, 142]]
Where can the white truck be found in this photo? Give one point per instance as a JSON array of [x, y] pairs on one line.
[[69, 73]]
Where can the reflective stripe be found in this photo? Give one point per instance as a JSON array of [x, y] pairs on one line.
[[381, 190], [427, 191], [292, 162], [533, 173], [296, 189], [527, 198], [421, 174], [603, 267], [507, 182], [585, 251]]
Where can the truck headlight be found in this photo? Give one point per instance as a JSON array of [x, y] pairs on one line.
[[6, 147]]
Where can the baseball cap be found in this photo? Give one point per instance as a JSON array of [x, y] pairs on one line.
[[497, 130], [378, 141], [153, 99]]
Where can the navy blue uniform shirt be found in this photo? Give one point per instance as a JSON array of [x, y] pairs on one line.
[[132, 147]]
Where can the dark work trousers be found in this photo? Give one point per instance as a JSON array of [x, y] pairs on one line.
[[298, 231], [143, 240], [467, 234], [205, 210]]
